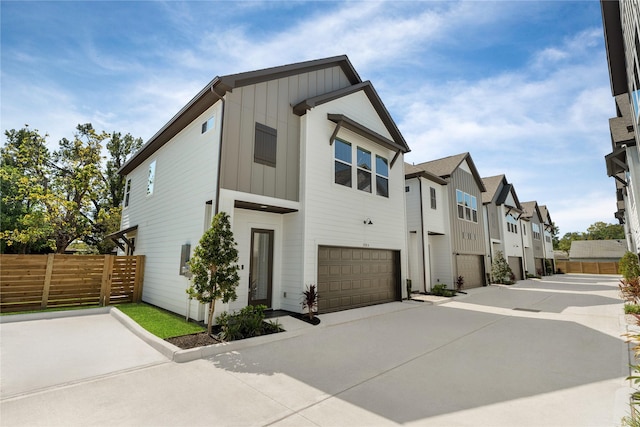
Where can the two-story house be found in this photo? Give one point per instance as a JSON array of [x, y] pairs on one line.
[[533, 232], [503, 224], [454, 245], [547, 226], [308, 163]]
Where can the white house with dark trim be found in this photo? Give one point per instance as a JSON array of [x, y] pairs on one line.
[[449, 240], [306, 160], [503, 223]]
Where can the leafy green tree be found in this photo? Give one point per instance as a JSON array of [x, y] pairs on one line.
[[500, 269], [603, 231], [564, 244], [214, 266], [120, 149], [25, 188]]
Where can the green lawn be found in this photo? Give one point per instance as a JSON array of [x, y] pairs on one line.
[[160, 323]]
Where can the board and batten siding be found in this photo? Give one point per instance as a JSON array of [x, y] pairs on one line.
[[335, 214], [174, 215], [462, 179], [269, 103]]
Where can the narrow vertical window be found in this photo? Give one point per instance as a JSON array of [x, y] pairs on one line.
[[364, 170], [382, 176], [432, 193], [151, 178], [127, 190], [342, 163], [460, 202], [265, 145]]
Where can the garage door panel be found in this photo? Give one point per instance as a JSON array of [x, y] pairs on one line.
[[365, 276], [471, 268]]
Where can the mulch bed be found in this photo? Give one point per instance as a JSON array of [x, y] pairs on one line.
[[202, 339]]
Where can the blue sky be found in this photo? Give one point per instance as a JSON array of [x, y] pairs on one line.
[[522, 86]]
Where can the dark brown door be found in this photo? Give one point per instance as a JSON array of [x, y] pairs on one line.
[[261, 274]]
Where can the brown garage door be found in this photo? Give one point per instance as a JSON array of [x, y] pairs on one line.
[[516, 266], [356, 277], [471, 268]]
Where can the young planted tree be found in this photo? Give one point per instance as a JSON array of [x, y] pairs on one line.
[[214, 266], [500, 269]]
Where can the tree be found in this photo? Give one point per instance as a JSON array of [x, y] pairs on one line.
[[603, 231], [500, 269], [25, 188], [214, 266]]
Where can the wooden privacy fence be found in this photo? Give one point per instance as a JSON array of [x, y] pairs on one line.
[[587, 267], [33, 282]]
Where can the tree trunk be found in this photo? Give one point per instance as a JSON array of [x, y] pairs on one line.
[[212, 307]]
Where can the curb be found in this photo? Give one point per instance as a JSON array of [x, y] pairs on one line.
[[11, 318]]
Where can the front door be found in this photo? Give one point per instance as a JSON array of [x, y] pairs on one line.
[[261, 275]]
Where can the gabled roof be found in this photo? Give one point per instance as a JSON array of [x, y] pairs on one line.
[[544, 213], [302, 107], [411, 171], [492, 184], [502, 198], [529, 209], [218, 87], [446, 166], [612, 249]]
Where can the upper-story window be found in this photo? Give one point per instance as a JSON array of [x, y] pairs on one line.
[[467, 206], [127, 190], [512, 224], [432, 195], [382, 176], [151, 178], [364, 170], [342, 163], [208, 125], [265, 145], [535, 228]]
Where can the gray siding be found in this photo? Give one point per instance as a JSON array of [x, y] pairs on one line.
[[464, 181], [494, 221], [269, 103]]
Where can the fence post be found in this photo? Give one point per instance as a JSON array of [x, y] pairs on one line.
[[47, 281], [105, 287], [137, 285]]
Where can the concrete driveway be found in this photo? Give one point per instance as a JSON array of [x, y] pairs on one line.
[[539, 353]]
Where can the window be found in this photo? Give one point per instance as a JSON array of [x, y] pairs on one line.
[[535, 228], [364, 170], [512, 224], [467, 206], [127, 190], [342, 163], [151, 178], [406, 189], [432, 193], [265, 145], [382, 176], [208, 125]]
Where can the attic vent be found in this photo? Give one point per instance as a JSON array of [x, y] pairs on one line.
[[265, 145], [630, 128]]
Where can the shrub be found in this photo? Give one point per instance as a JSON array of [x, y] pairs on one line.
[[310, 300], [442, 291], [630, 290], [248, 322], [629, 267], [500, 269], [631, 309]]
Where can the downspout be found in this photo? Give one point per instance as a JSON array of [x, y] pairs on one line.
[[424, 270], [220, 98]]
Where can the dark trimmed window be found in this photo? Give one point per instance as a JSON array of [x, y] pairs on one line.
[[382, 176], [432, 193], [265, 145], [342, 162], [127, 191], [364, 170]]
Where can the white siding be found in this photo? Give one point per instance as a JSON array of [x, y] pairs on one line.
[[335, 214], [185, 179]]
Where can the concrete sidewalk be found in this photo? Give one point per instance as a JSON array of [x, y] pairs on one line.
[[539, 353]]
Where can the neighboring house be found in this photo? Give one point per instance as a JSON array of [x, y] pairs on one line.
[[502, 212], [533, 229], [547, 227], [597, 250], [308, 163], [428, 224], [621, 25], [455, 244]]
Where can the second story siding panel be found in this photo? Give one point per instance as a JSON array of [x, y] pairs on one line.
[[269, 103], [467, 236]]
